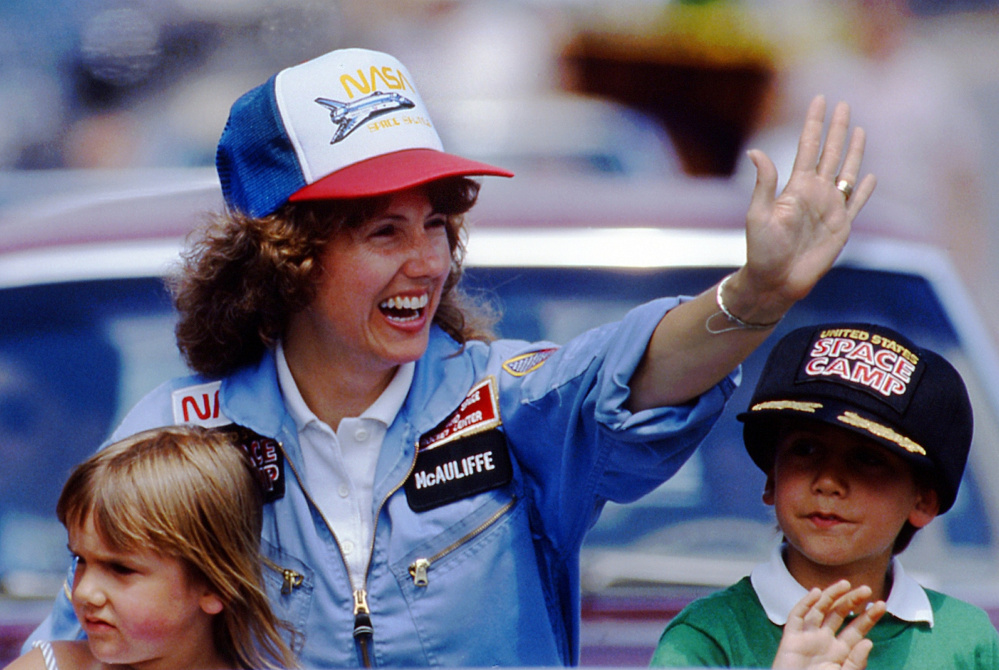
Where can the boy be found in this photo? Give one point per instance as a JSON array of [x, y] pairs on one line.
[[864, 438]]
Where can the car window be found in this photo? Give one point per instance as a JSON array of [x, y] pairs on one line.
[[73, 358]]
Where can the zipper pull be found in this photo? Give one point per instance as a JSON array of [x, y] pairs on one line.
[[292, 580], [363, 632], [361, 602], [418, 571]]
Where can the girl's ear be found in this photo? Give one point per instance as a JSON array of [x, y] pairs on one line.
[[210, 603], [768, 489], [926, 508]]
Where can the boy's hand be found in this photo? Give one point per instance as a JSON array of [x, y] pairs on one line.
[[812, 637]]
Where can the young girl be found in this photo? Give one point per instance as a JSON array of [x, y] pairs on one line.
[[165, 531]]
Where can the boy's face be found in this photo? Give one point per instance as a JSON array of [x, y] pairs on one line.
[[841, 499]]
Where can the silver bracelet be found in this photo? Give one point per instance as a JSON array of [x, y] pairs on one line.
[[739, 324]]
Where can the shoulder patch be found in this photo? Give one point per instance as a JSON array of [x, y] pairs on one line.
[[199, 405], [518, 366]]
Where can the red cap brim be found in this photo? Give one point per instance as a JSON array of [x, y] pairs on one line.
[[393, 172]]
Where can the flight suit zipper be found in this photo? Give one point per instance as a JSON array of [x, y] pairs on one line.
[[363, 630], [418, 569]]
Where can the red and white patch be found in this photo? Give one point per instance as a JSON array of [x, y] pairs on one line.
[[864, 360], [479, 411], [199, 405]]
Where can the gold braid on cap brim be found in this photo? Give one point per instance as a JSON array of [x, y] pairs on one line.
[[884, 432], [796, 405]]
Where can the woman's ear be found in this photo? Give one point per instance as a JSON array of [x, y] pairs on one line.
[[768, 489], [926, 508]]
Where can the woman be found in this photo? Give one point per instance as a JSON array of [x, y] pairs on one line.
[[430, 489]]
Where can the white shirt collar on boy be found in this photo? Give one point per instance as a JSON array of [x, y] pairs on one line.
[[340, 466], [779, 592]]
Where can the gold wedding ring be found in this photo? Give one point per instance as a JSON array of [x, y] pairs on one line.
[[845, 187]]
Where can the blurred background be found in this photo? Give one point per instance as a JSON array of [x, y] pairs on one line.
[[618, 87], [625, 93]]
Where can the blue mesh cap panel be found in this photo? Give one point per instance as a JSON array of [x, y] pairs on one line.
[[256, 164]]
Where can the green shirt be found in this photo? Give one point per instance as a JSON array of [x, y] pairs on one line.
[[730, 629]]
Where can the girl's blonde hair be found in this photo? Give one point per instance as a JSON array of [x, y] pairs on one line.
[[192, 494]]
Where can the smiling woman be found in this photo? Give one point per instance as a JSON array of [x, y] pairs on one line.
[[441, 468], [245, 278], [379, 286]]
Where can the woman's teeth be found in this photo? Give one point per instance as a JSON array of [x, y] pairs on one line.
[[405, 302], [404, 308]]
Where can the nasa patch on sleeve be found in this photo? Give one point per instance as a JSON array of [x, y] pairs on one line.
[[464, 455], [199, 404]]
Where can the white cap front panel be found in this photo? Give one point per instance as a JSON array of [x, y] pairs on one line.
[[348, 106]]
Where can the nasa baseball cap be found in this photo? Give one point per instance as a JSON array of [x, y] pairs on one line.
[[347, 124], [873, 381]]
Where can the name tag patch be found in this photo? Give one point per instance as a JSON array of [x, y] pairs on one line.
[[466, 454]]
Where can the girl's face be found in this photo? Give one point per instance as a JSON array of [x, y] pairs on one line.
[[842, 499], [380, 287], [141, 609]]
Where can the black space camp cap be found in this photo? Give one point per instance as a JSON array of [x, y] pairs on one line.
[[872, 380]]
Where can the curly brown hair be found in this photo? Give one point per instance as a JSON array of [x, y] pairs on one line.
[[243, 278]]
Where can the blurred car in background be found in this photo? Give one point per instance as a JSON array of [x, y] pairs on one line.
[[87, 329], [557, 134]]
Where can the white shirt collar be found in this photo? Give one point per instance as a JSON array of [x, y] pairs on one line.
[[388, 404], [778, 591], [384, 409]]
